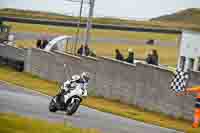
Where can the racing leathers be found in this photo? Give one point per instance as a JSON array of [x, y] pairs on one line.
[[76, 86]]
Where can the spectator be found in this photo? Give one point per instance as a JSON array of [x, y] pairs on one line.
[[130, 58], [87, 50], [155, 56], [152, 58], [119, 56], [80, 50], [149, 59], [44, 44], [38, 44]]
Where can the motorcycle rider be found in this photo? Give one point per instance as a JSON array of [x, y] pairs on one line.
[[77, 83]]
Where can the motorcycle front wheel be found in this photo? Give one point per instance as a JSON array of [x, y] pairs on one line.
[[73, 107]]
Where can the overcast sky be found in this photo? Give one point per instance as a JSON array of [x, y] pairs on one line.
[[140, 9]]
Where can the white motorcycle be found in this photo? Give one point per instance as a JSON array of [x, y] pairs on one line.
[[74, 97]]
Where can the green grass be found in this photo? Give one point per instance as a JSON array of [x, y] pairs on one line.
[[18, 27], [25, 43], [139, 50], [12, 123], [107, 49], [27, 80], [115, 107]]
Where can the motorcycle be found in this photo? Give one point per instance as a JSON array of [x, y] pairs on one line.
[[74, 97]]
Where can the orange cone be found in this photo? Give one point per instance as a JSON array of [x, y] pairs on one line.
[[196, 118]]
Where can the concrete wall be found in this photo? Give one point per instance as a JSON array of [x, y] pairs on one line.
[[50, 65], [39, 63], [153, 93], [72, 64], [90, 64], [143, 85], [12, 52], [115, 80]]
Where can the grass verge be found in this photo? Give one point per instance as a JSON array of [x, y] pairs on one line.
[[12, 123], [140, 51], [115, 107], [107, 49], [18, 27]]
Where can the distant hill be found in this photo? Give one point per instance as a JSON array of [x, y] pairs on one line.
[[188, 16], [191, 19], [34, 14]]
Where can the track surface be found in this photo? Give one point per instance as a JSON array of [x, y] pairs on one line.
[[32, 104]]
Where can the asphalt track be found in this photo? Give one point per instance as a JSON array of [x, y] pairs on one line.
[[32, 104]]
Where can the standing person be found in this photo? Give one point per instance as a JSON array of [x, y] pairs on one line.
[[195, 90], [84, 49], [130, 58], [118, 56], [155, 56], [38, 44], [80, 50], [87, 50], [149, 59], [44, 44], [152, 58]]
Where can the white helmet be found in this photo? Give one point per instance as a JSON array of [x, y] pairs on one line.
[[75, 77], [85, 76]]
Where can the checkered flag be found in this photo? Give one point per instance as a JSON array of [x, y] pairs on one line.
[[180, 80]]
